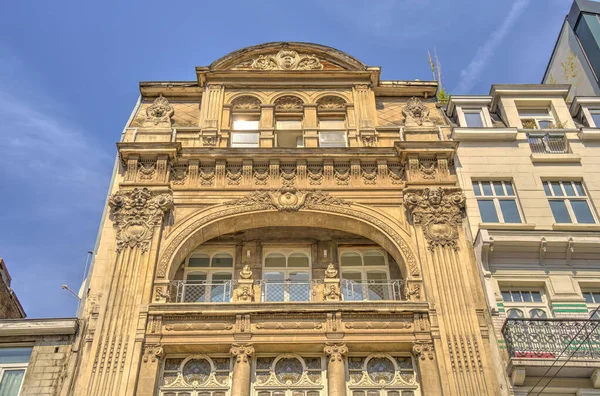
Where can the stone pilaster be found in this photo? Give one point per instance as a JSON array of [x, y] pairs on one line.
[[240, 385], [428, 367], [336, 370], [150, 369]]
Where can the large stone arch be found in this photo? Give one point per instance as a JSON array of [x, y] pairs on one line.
[[223, 219]]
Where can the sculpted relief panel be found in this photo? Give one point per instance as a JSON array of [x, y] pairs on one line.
[[283, 60]]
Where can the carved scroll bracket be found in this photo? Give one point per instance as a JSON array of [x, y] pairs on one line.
[[439, 213]]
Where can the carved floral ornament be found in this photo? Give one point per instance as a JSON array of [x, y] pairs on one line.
[[242, 353], [152, 353], [331, 102], [289, 102], [160, 111], [423, 350], [245, 103], [439, 213], [136, 212], [336, 352], [287, 60], [287, 199]]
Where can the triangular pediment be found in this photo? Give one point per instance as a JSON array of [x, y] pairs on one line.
[[288, 56]]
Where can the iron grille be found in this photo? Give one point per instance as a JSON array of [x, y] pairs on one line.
[[548, 143], [547, 338], [371, 290], [202, 291]]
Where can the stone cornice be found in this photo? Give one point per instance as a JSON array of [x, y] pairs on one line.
[[38, 327], [151, 149]]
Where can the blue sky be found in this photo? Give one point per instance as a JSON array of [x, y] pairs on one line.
[[69, 73]]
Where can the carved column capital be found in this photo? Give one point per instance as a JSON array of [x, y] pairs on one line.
[[136, 212], [242, 352], [438, 210], [423, 350], [336, 352], [152, 353]]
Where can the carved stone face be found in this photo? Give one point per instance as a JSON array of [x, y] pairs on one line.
[[435, 197], [287, 61]]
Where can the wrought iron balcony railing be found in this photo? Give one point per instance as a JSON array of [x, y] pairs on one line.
[[187, 291], [390, 290], [552, 338], [202, 291], [548, 143]]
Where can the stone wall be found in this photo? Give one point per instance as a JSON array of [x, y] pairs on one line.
[[47, 366]]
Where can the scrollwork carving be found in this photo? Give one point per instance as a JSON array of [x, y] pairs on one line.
[[136, 212], [288, 103], [423, 350], [287, 199], [287, 60], [245, 103], [331, 103], [439, 213], [152, 353], [336, 352], [242, 353], [415, 112], [160, 112]]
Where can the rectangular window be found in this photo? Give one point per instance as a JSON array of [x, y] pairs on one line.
[[592, 301], [525, 303], [13, 363], [569, 202], [245, 125], [595, 118], [289, 133], [536, 118], [497, 201], [474, 118], [332, 133]]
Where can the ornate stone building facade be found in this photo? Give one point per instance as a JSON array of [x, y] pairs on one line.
[[285, 224]]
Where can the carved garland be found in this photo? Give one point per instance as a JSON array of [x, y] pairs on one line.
[[136, 212], [276, 199], [439, 213]]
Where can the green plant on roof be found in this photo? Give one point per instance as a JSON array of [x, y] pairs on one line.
[[436, 70]]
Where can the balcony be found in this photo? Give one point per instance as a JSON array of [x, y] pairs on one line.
[[534, 346], [285, 291], [551, 147]]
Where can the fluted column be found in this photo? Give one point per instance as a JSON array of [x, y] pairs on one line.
[[241, 369], [336, 371]]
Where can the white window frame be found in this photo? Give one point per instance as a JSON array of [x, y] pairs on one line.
[[550, 117], [239, 132], [588, 113], [569, 198], [497, 198], [343, 130], [364, 269], [592, 306], [526, 307], [483, 113], [291, 130], [211, 252], [14, 367]]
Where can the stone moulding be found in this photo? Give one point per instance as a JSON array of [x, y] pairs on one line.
[[439, 213], [287, 199]]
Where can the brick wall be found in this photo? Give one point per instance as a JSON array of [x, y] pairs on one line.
[[9, 307], [47, 367]]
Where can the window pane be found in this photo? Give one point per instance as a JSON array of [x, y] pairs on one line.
[[488, 211], [288, 124], [515, 314], [474, 119], [537, 314], [498, 190], [244, 139], [14, 355], [222, 260], [332, 124], [569, 189], [351, 259], [196, 277], [332, 139], [526, 297], [11, 382], [545, 124], [476, 189], [588, 298], [245, 125], [556, 189], [353, 276], [547, 189], [596, 297], [221, 277], [199, 260], [506, 296], [374, 258], [510, 211], [579, 188], [516, 296], [275, 260], [537, 297], [533, 112], [376, 276], [559, 210], [487, 189], [509, 188], [596, 118], [298, 260], [582, 211]]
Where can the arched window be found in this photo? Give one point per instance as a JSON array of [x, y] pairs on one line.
[[382, 375], [365, 276], [289, 112], [289, 375], [286, 276], [331, 111], [185, 376], [207, 278], [525, 303], [245, 122]]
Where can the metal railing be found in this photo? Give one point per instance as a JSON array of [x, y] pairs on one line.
[[548, 143], [285, 290], [390, 290], [202, 291], [547, 338]]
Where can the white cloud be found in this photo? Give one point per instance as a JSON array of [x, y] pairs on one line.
[[470, 75]]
